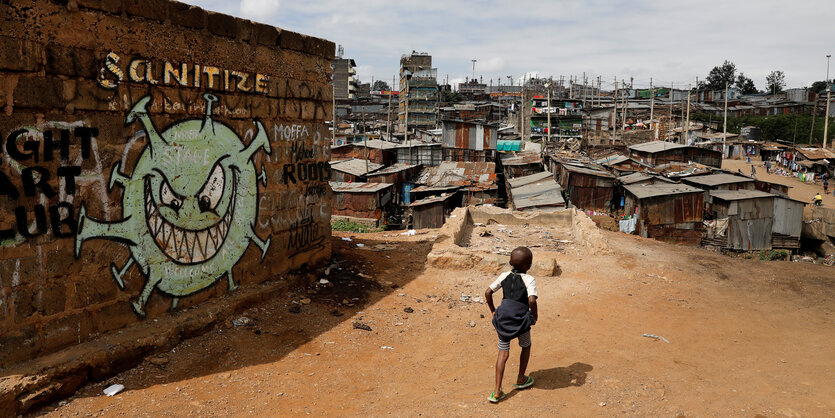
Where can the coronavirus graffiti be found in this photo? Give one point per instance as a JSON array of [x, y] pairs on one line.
[[189, 206]]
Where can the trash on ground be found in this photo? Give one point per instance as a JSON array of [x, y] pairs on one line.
[[346, 239], [385, 347], [471, 324], [241, 321], [408, 309], [360, 325], [409, 232], [114, 389], [360, 245], [324, 281], [657, 337]]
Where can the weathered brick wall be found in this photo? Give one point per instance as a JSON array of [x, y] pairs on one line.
[[115, 185]]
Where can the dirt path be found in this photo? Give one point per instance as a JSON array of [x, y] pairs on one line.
[[745, 338], [800, 190]]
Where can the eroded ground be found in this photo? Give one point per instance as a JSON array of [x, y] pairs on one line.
[[745, 338]]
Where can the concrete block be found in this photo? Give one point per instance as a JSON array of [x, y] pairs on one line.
[[74, 62], [292, 40], [186, 15], [149, 9], [20, 55], [39, 93], [222, 25], [265, 34]]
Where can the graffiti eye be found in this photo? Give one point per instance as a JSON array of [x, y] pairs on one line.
[[210, 196], [168, 196]]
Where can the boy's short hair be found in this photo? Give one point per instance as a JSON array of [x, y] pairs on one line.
[[520, 256]]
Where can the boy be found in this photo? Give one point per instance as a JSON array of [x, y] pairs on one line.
[[514, 318]]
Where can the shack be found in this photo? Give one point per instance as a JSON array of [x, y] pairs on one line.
[[469, 141], [744, 218], [374, 150], [400, 175], [661, 152], [622, 165], [586, 188], [719, 181], [669, 212], [352, 170], [419, 153], [536, 191], [816, 160], [432, 212], [788, 222], [773, 188], [364, 203], [477, 181], [520, 164]]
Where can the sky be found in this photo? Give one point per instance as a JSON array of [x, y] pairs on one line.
[[669, 41]]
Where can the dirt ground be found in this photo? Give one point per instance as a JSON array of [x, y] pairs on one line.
[[800, 190], [746, 338]]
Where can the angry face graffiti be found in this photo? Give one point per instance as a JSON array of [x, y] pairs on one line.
[[189, 206]]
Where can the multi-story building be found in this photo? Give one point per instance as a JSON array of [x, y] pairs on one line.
[[345, 82], [418, 92]]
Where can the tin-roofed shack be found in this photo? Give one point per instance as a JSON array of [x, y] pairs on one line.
[[586, 188], [661, 152], [425, 154], [622, 165], [719, 181], [361, 202], [665, 211], [374, 150], [788, 222], [536, 191], [469, 141], [352, 170], [519, 164], [400, 175], [745, 216], [431, 212], [477, 181]]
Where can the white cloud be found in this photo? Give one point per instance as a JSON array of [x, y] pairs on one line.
[[261, 10]]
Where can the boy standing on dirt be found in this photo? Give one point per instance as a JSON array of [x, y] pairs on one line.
[[514, 318]]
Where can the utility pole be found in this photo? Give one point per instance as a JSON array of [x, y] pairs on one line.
[[828, 97], [585, 85], [687, 136], [672, 87], [725, 124], [474, 61], [651, 106], [599, 96], [626, 101], [388, 114], [615, 112], [548, 109], [365, 139], [333, 136]]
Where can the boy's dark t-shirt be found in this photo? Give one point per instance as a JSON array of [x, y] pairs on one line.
[[513, 317]]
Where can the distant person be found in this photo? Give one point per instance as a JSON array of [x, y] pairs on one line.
[[818, 200], [753, 172], [825, 186], [514, 317], [767, 167]]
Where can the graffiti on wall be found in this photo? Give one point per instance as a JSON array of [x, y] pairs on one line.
[[42, 174], [189, 206]]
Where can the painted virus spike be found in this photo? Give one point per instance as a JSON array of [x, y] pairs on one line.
[[140, 111], [174, 302], [263, 175], [261, 140], [150, 284], [117, 178], [207, 121], [263, 245], [117, 273], [90, 228], [232, 285]]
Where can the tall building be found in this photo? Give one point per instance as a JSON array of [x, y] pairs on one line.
[[345, 81], [418, 90]]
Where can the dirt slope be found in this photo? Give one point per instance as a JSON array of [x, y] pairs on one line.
[[745, 338]]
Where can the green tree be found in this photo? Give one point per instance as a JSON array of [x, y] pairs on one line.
[[380, 85], [720, 76], [745, 85], [819, 86], [775, 81]]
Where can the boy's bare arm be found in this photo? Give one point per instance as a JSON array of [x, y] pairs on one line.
[[488, 296], [532, 303]]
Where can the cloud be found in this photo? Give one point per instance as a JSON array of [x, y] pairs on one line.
[[668, 41], [260, 10]]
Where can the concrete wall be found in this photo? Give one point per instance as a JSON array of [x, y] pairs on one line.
[[120, 198]]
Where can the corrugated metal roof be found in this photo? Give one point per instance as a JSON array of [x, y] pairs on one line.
[[371, 143], [545, 193], [656, 146], [586, 170], [394, 168], [643, 191], [452, 173], [355, 166], [525, 180], [433, 199], [641, 176], [343, 187], [521, 158], [416, 144], [718, 179], [739, 194], [816, 153]]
